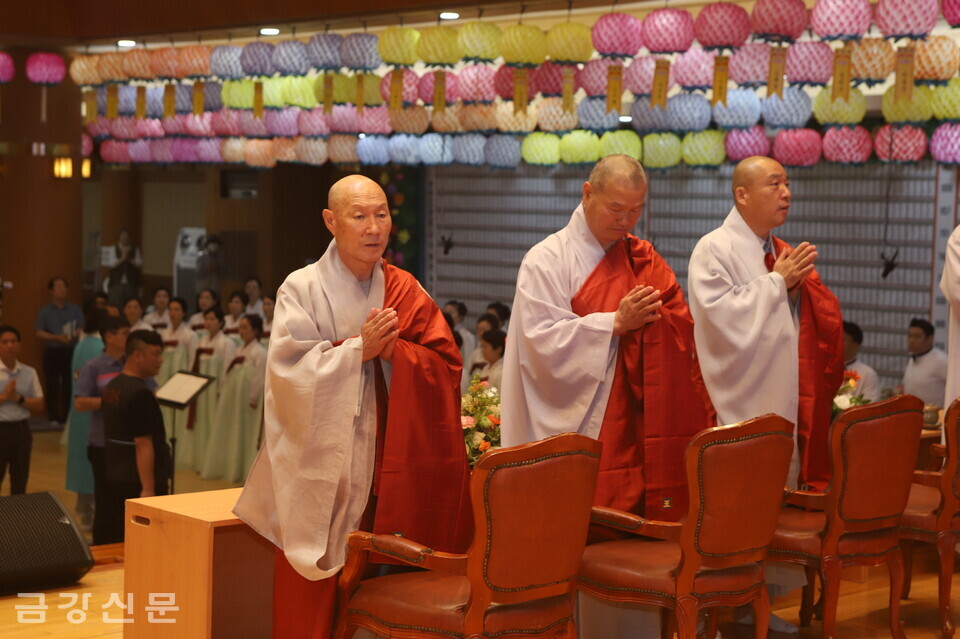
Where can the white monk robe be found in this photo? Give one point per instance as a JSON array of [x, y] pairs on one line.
[[578, 354], [232, 445], [320, 404], [950, 286], [176, 357], [215, 365]]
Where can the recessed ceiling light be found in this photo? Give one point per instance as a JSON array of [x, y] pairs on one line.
[[449, 15], [626, 118], [269, 31], [363, 135], [126, 43]]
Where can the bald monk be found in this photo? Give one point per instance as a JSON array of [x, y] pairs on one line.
[[768, 331], [361, 415], [601, 343]]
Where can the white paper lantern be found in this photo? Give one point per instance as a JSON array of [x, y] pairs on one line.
[[593, 116], [646, 119], [688, 112], [468, 149], [742, 110], [792, 111], [502, 151], [404, 149], [436, 149], [373, 150]]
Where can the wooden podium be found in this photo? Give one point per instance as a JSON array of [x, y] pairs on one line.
[[194, 546]]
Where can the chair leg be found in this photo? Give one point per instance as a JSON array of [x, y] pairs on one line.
[[946, 543], [761, 614], [668, 623], [712, 623], [830, 587], [570, 631], [806, 601], [906, 547], [686, 617], [895, 566]]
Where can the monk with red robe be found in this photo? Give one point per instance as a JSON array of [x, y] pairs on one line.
[[361, 415]]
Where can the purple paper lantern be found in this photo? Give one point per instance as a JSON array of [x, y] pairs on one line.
[[257, 59], [140, 151], [290, 57], [451, 90], [184, 150], [208, 150], [358, 52], [225, 62], [323, 52], [548, 78]]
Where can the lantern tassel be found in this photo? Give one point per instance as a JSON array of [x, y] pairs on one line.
[[43, 104]]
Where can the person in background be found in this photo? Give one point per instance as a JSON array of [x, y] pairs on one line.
[[214, 354], [79, 475], [133, 313], [950, 287], [125, 264], [926, 372], [502, 311], [269, 304], [492, 345], [100, 300], [458, 311], [236, 304], [208, 264], [179, 349], [158, 317], [254, 303], [869, 384], [234, 436], [475, 361], [58, 326], [137, 455], [20, 396], [206, 299]]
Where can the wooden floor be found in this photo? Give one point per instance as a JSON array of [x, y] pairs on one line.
[[862, 612]]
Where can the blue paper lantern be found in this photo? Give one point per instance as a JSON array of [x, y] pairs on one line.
[[323, 51], [688, 112], [290, 58], [126, 99], [790, 112], [257, 59], [646, 119], [593, 116], [184, 99], [374, 150], [742, 110], [503, 151], [468, 149], [436, 149], [358, 52], [102, 100], [404, 149], [225, 62], [154, 102], [212, 100]]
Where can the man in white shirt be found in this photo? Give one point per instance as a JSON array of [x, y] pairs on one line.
[[926, 372], [20, 395], [869, 384]]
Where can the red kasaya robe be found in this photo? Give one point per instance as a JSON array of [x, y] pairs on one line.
[[657, 400]]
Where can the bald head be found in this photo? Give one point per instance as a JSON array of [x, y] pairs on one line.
[[622, 169], [754, 169], [352, 186], [761, 191], [359, 219]]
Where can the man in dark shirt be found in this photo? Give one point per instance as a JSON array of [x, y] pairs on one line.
[[138, 459], [58, 325]]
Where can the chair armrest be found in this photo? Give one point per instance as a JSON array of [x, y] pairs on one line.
[[938, 453], [927, 478], [808, 499], [628, 522]]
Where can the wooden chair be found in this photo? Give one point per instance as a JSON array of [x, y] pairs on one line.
[[931, 515], [531, 508], [856, 522], [713, 556]]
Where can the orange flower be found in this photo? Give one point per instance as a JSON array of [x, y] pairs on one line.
[[484, 445], [494, 420], [851, 374]]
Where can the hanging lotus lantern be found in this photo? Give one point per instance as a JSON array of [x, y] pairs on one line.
[[693, 69], [313, 123], [397, 46], [299, 92], [114, 152], [847, 145], [162, 150], [447, 120], [475, 83], [703, 149], [110, 67], [504, 80], [283, 122], [410, 86], [183, 150], [722, 25], [541, 149], [907, 18], [523, 47], [342, 149], [617, 35], [841, 19], [199, 125], [936, 61], [136, 64], [552, 116], [792, 111], [741, 144], [225, 62], [232, 150], [916, 110], [479, 41], [872, 61], [661, 151], [571, 43], [83, 69], [140, 151], [638, 77], [163, 63], [404, 150], [149, 128], [945, 144], [375, 121], [742, 110], [251, 126], [312, 151], [688, 112], [412, 120], [797, 147], [646, 119], [779, 20], [45, 69], [291, 57], [479, 117], [951, 12], [502, 152], [359, 52], [435, 149], [579, 148], [226, 123], [256, 58], [208, 151], [809, 63], [123, 128], [668, 31], [323, 54], [275, 92], [750, 64], [548, 78], [839, 112], [568, 45], [509, 120], [439, 46], [945, 101], [373, 150], [593, 115], [621, 143], [593, 77], [343, 119], [193, 62], [468, 149], [900, 143], [259, 154], [126, 100]]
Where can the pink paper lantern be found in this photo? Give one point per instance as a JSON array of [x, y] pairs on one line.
[[199, 126], [425, 88], [841, 19], [549, 78], [114, 152], [744, 143], [7, 68], [99, 128], [163, 63], [184, 150], [750, 64], [951, 12], [475, 83], [593, 76], [313, 122], [376, 120], [722, 25], [907, 18], [173, 126], [503, 83], [411, 86], [253, 127], [797, 147], [283, 122], [124, 128], [343, 119], [847, 145], [617, 35], [140, 151], [136, 64], [668, 30], [226, 123], [779, 20], [86, 145], [149, 128], [638, 77], [259, 154], [46, 68], [110, 67], [900, 143], [945, 144], [208, 150], [809, 63], [693, 69]]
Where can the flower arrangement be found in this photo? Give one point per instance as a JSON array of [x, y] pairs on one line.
[[480, 418], [846, 395]]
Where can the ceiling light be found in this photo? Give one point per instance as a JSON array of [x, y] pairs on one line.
[[626, 118], [126, 43], [449, 15], [269, 31]]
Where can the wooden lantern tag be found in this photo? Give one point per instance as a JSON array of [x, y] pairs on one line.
[[661, 81], [89, 107], [841, 73], [903, 89], [258, 100], [113, 104], [141, 109], [361, 96], [198, 98], [568, 89], [169, 101], [520, 97], [439, 91], [614, 88], [328, 93], [721, 75], [396, 90], [778, 60]]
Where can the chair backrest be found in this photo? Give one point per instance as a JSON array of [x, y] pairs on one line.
[[950, 488], [873, 453], [736, 475], [531, 507]]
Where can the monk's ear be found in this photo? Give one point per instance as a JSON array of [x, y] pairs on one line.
[[587, 191], [740, 195], [328, 219]]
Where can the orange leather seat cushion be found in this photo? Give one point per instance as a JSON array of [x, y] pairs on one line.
[[437, 602], [798, 533], [630, 565], [921, 509]]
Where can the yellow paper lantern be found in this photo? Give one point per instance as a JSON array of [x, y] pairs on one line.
[[661, 150], [569, 43], [237, 94], [439, 46], [704, 148], [523, 45], [371, 89], [398, 46], [917, 110], [579, 147], [344, 88], [542, 149], [830, 111], [946, 101], [872, 60], [480, 41], [275, 92], [621, 143], [299, 92], [937, 59]]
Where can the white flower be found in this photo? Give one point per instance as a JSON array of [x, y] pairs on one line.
[[478, 438], [842, 402]]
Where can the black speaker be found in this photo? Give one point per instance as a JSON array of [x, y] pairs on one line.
[[41, 546]]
